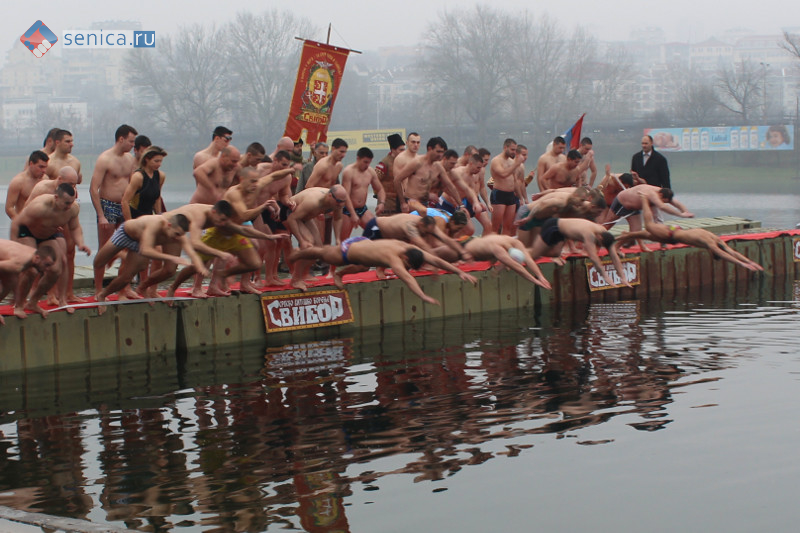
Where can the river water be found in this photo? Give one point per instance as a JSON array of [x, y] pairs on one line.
[[628, 416]]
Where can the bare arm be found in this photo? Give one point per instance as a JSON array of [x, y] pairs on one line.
[[77, 233], [377, 188], [12, 197], [94, 189], [444, 265], [397, 266], [202, 177], [498, 170], [130, 191]]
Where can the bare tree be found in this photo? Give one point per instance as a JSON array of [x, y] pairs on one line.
[[791, 43], [188, 76], [738, 88], [468, 57], [694, 98], [263, 56]]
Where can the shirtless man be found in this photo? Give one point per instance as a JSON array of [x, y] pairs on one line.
[[566, 173], [552, 156], [318, 152], [385, 172], [16, 258], [141, 237], [415, 177], [629, 203], [110, 178], [214, 176], [504, 194], [310, 203], [697, 237], [356, 180], [244, 200], [201, 217], [38, 225], [23, 183], [360, 254], [413, 142], [419, 230], [584, 148], [275, 183], [48, 146], [62, 155], [496, 247], [464, 179], [442, 180], [285, 144], [556, 230], [70, 176], [220, 138]]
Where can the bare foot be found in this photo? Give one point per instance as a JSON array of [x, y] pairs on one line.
[[216, 291], [274, 282], [52, 300], [380, 272], [337, 280], [2, 321], [248, 288], [20, 313], [36, 308], [70, 310], [299, 284], [71, 298], [99, 297], [196, 293], [129, 294], [559, 261]]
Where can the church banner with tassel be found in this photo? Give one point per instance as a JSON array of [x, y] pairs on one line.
[[318, 78]]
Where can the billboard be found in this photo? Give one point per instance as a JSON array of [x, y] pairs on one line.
[[723, 138]]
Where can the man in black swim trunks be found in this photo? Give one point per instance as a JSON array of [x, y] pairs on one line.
[[39, 225], [593, 236]]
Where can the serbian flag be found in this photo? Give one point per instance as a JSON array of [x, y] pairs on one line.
[[318, 78], [573, 135]]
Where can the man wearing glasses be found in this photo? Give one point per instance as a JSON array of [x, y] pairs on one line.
[[220, 138]]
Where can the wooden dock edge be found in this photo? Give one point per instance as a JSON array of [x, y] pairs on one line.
[[145, 329]]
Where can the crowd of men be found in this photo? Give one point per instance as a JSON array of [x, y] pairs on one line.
[[252, 211]]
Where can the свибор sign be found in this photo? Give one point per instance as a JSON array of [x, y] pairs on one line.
[[306, 310], [597, 283]]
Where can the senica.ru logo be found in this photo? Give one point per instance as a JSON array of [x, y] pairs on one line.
[[108, 39]]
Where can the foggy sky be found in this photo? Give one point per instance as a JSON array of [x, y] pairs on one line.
[[369, 24]]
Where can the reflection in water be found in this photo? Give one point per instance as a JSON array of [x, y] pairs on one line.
[[252, 442]]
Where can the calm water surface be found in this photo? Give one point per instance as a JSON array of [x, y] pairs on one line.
[[631, 416]]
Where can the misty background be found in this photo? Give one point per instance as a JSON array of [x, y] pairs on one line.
[[476, 75]]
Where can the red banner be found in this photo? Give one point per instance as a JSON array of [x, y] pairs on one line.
[[318, 78]]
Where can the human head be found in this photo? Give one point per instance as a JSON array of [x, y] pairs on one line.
[[395, 141], [510, 148], [320, 150], [426, 225], [285, 143], [666, 194], [220, 213], [573, 159], [475, 163], [140, 144], [282, 160], [338, 149], [178, 226], [607, 239], [221, 132], [153, 156], [338, 194], [49, 139], [228, 158], [559, 145], [248, 179], [485, 155], [457, 220], [449, 160], [626, 179], [415, 258], [37, 164], [647, 143], [64, 197], [297, 146], [62, 142], [67, 174], [125, 137], [777, 135], [586, 145], [364, 157], [44, 258], [470, 150], [254, 154], [413, 141], [522, 150], [436, 148]]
